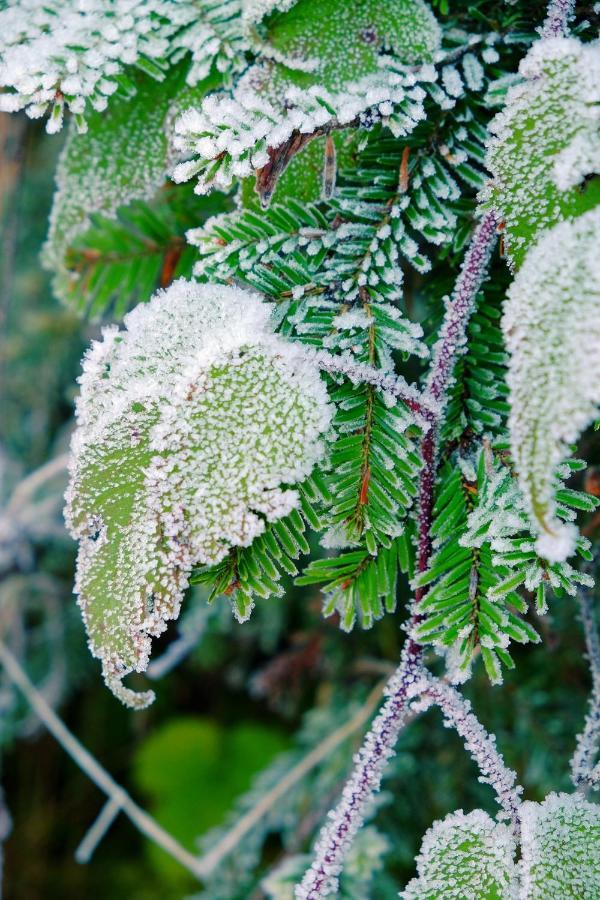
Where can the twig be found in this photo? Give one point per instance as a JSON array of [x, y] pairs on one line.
[[27, 487], [556, 23], [346, 819], [336, 835], [424, 407], [92, 768], [96, 832], [481, 746], [583, 772]]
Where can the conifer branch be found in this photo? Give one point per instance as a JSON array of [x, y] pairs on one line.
[[556, 23], [406, 683], [346, 819], [450, 345]]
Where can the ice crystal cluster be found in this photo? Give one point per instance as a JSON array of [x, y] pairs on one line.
[[76, 56], [471, 856], [465, 856], [191, 422], [253, 11], [552, 331], [231, 137], [52, 54], [547, 140]]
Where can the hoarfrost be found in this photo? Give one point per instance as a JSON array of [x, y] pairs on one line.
[[192, 422], [552, 332]]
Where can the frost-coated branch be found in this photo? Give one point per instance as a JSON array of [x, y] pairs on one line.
[[481, 745], [424, 407], [583, 772], [346, 819], [450, 345], [556, 23], [92, 768]]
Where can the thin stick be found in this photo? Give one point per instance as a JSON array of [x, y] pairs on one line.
[[583, 772], [92, 768], [96, 832], [424, 407], [556, 23], [481, 746], [344, 821]]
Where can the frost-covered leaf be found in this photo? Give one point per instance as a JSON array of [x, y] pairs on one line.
[[333, 43], [191, 422], [465, 857], [123, 157], [560, 849], [547, 142], [552, 330], [321, 66]]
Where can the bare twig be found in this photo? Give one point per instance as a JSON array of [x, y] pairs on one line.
[[246, 823], [92, 768], [583, 771], [481, 746]]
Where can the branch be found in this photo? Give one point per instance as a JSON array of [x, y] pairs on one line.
[[556, 23], [583, 772], [424, 407], [119, 798], [345, 820], [481, 746]]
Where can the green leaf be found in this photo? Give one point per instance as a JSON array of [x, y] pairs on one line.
[[552, 332], [192, 770], [561, 848], [123, 156], [548, 143], [345, 40], [189, 429], [465, 856]]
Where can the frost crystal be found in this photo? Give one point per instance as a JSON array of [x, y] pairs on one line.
[[190, 423], [547, 141], [230, 137], [254, 11], [54, 54], [560, 849], [552, 332], [465, 857]]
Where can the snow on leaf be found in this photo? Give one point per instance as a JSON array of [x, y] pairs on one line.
[[560, 849], [332, 43], [191, 422], [254, 11], [123, 156], [465, 857], [552, 332], [547, 142]]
